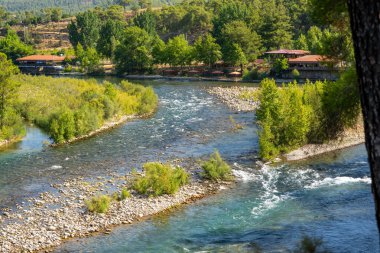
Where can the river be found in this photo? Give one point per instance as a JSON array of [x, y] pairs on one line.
[[271, 207]]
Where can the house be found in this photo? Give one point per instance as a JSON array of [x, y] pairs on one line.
[[314, 67], [41, 64], [286, 53]]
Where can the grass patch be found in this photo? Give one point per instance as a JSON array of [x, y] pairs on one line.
[[160, 179], [216, 169], [98, 204], [124, 194]]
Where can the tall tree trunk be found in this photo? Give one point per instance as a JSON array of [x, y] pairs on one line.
[[365, 25]]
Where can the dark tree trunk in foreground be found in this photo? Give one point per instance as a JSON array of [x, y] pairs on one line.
[[365, 25]]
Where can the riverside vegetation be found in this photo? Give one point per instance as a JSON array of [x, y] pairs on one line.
[[83, 207], [294, 115], [66, 108], [162, 179]]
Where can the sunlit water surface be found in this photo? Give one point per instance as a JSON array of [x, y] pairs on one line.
[[271, 207]]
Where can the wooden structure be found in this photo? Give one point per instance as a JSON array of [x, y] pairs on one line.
[[41, 64], [286, 53], [314, 67]]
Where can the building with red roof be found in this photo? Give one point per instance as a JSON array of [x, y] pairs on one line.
[[314, 67], [287, 53], [41, 64]]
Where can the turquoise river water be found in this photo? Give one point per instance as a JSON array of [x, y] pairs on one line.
[[271, 207]]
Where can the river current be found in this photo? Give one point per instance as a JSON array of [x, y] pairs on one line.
[[271, 208]]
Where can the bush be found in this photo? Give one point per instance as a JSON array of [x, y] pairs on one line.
[[254, 74], [124, 194], [216, 169], [283, 118], [340, 104], [160, 179], [295, 74], [294, 115], [99, 204], [68, 108]]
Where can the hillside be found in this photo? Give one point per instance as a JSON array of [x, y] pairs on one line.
[[71, 6]]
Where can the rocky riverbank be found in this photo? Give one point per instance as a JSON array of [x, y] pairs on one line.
[[45, 222], [349, 138], [6, 143], [238, 98]]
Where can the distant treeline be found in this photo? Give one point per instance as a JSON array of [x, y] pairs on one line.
[[69, 6]]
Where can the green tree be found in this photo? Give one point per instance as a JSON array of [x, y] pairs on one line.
[[280, 65], [314, 40], [12, 46], [134, 52], [268, 114], [159, 51], [237, 32], [88, 58], [8, 118], [62, 126], [170, 19], [85, 29], [301, 43], [235, 11], [112, 33], [234, 55], [276, 30], [56, 14], [124, 3], [196, 19], [145, 4], [147, 21], [206, 50], [178, 51]]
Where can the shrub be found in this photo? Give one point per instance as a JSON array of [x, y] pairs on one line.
[[98, 204], [124, 194], [68, 108], [295, 74], [62, 126], [254, 74], [160, 179], [283, 118], [294, 115], [216, 169], [340, 104]]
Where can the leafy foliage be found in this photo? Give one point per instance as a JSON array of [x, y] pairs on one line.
[[10, 121], [124, 194], [98, 204], [293, 115], [134, 53], [160, 179], [13, 47], [85, 30], [178, 52], [206, 50], [68, 108], [216, 169]]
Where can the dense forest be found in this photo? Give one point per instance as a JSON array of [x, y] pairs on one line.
[[69, 6], [235, 32]]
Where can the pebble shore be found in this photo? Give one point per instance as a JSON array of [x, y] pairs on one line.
[[234, 97], [45, 222]]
